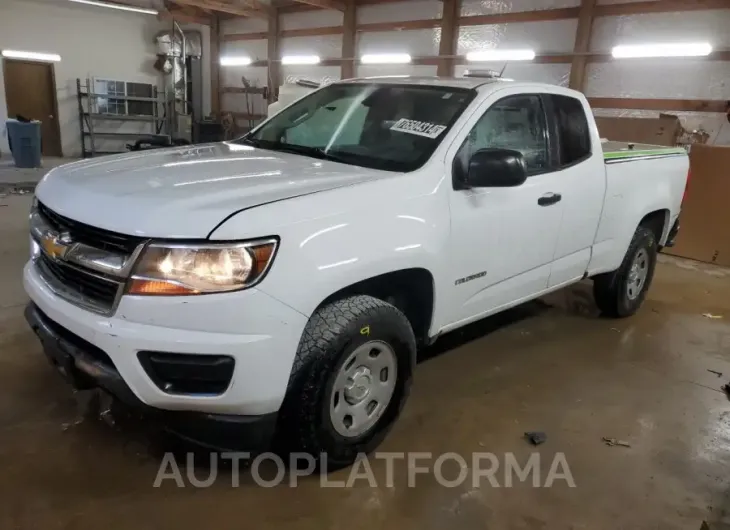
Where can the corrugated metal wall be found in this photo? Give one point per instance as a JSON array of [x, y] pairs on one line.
[[685, 78]]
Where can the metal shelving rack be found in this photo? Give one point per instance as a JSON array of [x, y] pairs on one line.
[[87, 116]]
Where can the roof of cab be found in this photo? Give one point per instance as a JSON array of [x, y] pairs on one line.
[[453, 82]]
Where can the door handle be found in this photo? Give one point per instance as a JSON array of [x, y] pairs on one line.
[[549, 199]]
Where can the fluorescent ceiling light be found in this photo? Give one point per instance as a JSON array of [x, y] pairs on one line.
[[121, 7], [300, 59], [692, 49], [500, 55], [33, 56], [235, 60], [385, 58]]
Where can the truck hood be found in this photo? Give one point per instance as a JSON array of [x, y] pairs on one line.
[[186, 192]]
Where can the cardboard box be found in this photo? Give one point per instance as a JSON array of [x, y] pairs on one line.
[[705, 220], [664, 130]]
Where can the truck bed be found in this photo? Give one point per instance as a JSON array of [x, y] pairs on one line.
[[623, 151]]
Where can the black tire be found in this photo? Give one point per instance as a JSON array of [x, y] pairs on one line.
[[331, 334], [609, 290]]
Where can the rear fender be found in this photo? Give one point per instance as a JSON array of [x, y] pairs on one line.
[[634, 190]]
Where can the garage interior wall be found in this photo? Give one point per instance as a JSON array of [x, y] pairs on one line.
[[682, 78], [92, 42]]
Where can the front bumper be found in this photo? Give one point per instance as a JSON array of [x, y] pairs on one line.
[[258, 331], [84, 366]]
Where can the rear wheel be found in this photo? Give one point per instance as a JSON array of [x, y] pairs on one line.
[[350, 379], [620, 293]]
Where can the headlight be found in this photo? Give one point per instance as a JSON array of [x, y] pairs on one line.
[[171, 269]]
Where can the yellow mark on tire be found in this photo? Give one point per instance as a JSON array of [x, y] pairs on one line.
[[365, 331]]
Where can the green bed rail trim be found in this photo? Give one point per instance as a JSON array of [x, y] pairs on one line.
[[670, 151]]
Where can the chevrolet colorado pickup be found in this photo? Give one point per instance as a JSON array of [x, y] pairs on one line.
[[275, 287]]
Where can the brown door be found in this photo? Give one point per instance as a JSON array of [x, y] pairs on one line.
[[30, 91]]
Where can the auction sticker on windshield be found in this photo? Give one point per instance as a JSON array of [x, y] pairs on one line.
[[420, 128]]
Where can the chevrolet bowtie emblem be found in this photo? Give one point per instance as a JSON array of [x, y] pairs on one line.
[[56, 245]]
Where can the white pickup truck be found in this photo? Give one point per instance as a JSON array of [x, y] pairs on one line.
[[275, 288]]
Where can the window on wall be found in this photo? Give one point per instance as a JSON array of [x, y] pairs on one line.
[[115, 93]]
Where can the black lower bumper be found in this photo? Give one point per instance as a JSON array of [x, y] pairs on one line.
[[85, 366]]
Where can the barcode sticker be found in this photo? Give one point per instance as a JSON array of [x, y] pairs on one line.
[[419, 128]]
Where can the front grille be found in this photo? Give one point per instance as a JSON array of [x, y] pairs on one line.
[[90, 235], [83, 288]]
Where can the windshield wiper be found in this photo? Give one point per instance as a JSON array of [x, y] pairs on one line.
[[314, 152], [251, 141]]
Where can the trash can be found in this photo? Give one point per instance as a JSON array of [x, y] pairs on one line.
[[25, 142]]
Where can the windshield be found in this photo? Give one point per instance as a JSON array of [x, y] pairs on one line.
[[390, 127]]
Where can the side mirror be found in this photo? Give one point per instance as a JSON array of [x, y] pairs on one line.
[[496, 168]]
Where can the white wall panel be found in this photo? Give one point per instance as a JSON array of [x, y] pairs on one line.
[[714, 123], [697, 26], [377, 70], [678, 79], [255, 49], [92, 42], [543, 37], [420, 42], [324, 46], [554, 74], [400, 11], [486, 7], [320, 74], [244, 25], [311, 19]]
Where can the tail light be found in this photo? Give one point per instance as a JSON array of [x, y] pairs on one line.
[[686, 186]]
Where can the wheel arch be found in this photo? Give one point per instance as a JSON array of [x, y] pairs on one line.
[[411, 290], [658, 222]]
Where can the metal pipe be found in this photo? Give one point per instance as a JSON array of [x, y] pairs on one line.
[[184, 67], [170, 102]]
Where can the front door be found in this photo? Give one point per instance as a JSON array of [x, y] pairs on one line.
[[30, 91], [503, 239]]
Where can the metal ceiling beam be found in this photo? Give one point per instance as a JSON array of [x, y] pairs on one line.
[[325, 4], [182, 16], [252, 8]]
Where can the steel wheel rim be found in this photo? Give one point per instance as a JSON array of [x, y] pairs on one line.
[[363, 388], [637, 274]]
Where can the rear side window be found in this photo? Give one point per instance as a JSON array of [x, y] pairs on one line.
[[575, 138]]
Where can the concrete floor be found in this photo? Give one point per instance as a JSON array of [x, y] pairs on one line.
[[15, 177], [551, 365]]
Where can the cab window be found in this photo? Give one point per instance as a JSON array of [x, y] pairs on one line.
[[574, 137], [515, 122]]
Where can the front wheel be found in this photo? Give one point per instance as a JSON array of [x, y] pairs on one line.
[[620, 293], [350, 379]]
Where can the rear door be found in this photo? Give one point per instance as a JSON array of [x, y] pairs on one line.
[[503, 239], [581, 182]]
